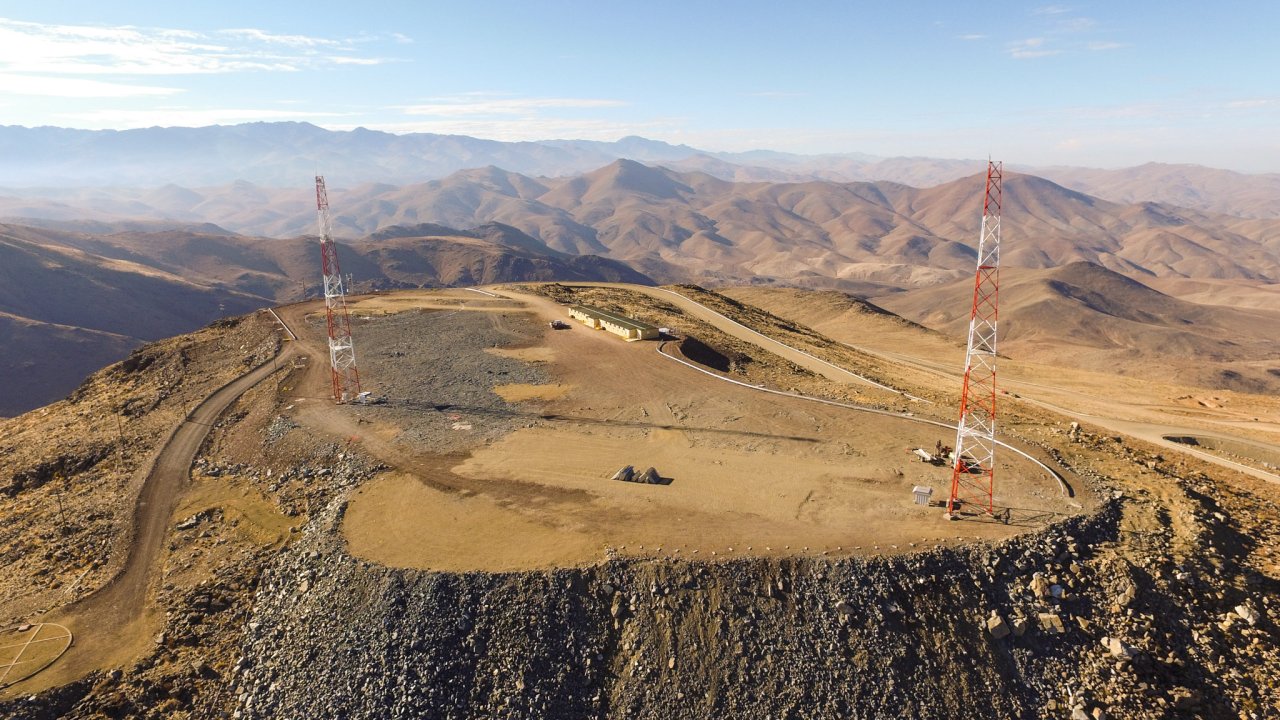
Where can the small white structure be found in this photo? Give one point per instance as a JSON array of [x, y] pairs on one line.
[[617, 324], [922, 494]]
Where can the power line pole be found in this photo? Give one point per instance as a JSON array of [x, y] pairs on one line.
[[973, 474]]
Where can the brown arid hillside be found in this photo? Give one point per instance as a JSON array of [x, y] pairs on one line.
[[695, 226], [1228, 293], [65, 312], [1190, 186], [1084, 316], [628, 221], [423, 255], [73, 301], [47, 360]]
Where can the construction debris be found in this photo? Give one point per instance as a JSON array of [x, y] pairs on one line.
[[649, 477], [941, 455]]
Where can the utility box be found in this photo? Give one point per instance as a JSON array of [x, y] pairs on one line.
[[922, 494]]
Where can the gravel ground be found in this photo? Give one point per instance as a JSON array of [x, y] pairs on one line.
[[438, 380], [879, 637]]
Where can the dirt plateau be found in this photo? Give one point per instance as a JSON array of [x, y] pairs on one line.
[[1157, 599]]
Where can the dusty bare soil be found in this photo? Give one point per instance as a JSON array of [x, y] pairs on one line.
[[750, 473], [353, 548], [1249, 423]]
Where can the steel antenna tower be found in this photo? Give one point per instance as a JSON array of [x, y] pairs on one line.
[[973, 474], [342, 351]]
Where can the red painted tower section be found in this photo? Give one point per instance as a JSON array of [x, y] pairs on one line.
[[342, 352], [973, 474]]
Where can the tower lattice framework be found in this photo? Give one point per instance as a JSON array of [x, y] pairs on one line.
[[973, 473], [342, 351]]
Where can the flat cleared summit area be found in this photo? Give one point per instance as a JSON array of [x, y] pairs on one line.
[[535, 428]]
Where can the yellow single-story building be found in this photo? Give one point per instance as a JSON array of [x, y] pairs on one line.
[[617, 324]]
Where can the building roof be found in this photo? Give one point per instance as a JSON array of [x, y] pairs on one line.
[[614, 318]]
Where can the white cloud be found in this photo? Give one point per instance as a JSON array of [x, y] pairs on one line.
[[38, 48], [972, 36], [348, 60], [465, 106], [1075, 25], [272, 38], [1030, 48], [1070, 32], [1253, 103], [54, 86]]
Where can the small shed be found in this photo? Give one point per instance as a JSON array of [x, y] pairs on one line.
[[617, 324], [922, 494]]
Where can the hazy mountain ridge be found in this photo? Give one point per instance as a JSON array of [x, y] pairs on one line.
[[1190, 186], [44, 160], [622, 220], [693, 226]]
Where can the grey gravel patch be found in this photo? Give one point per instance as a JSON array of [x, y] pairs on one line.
[[438, 379]]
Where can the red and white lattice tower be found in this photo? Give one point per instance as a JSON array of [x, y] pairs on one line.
[[973, 474], [342, 351]]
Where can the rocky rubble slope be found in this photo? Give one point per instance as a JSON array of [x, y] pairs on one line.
[[1083, 619]]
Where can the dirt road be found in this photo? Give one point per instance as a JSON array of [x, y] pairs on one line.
[[112, 625], [827, 369], [733, 328], [1149, 432]]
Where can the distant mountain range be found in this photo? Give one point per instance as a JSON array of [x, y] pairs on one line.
[[691, 226], [192, 224], [287, 154]]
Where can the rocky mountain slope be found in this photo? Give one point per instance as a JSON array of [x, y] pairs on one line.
[[64, 312]]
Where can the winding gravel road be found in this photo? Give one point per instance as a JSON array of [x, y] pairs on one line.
[[112, 623]]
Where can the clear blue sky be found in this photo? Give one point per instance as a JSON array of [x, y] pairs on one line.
[[1104, 84]]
